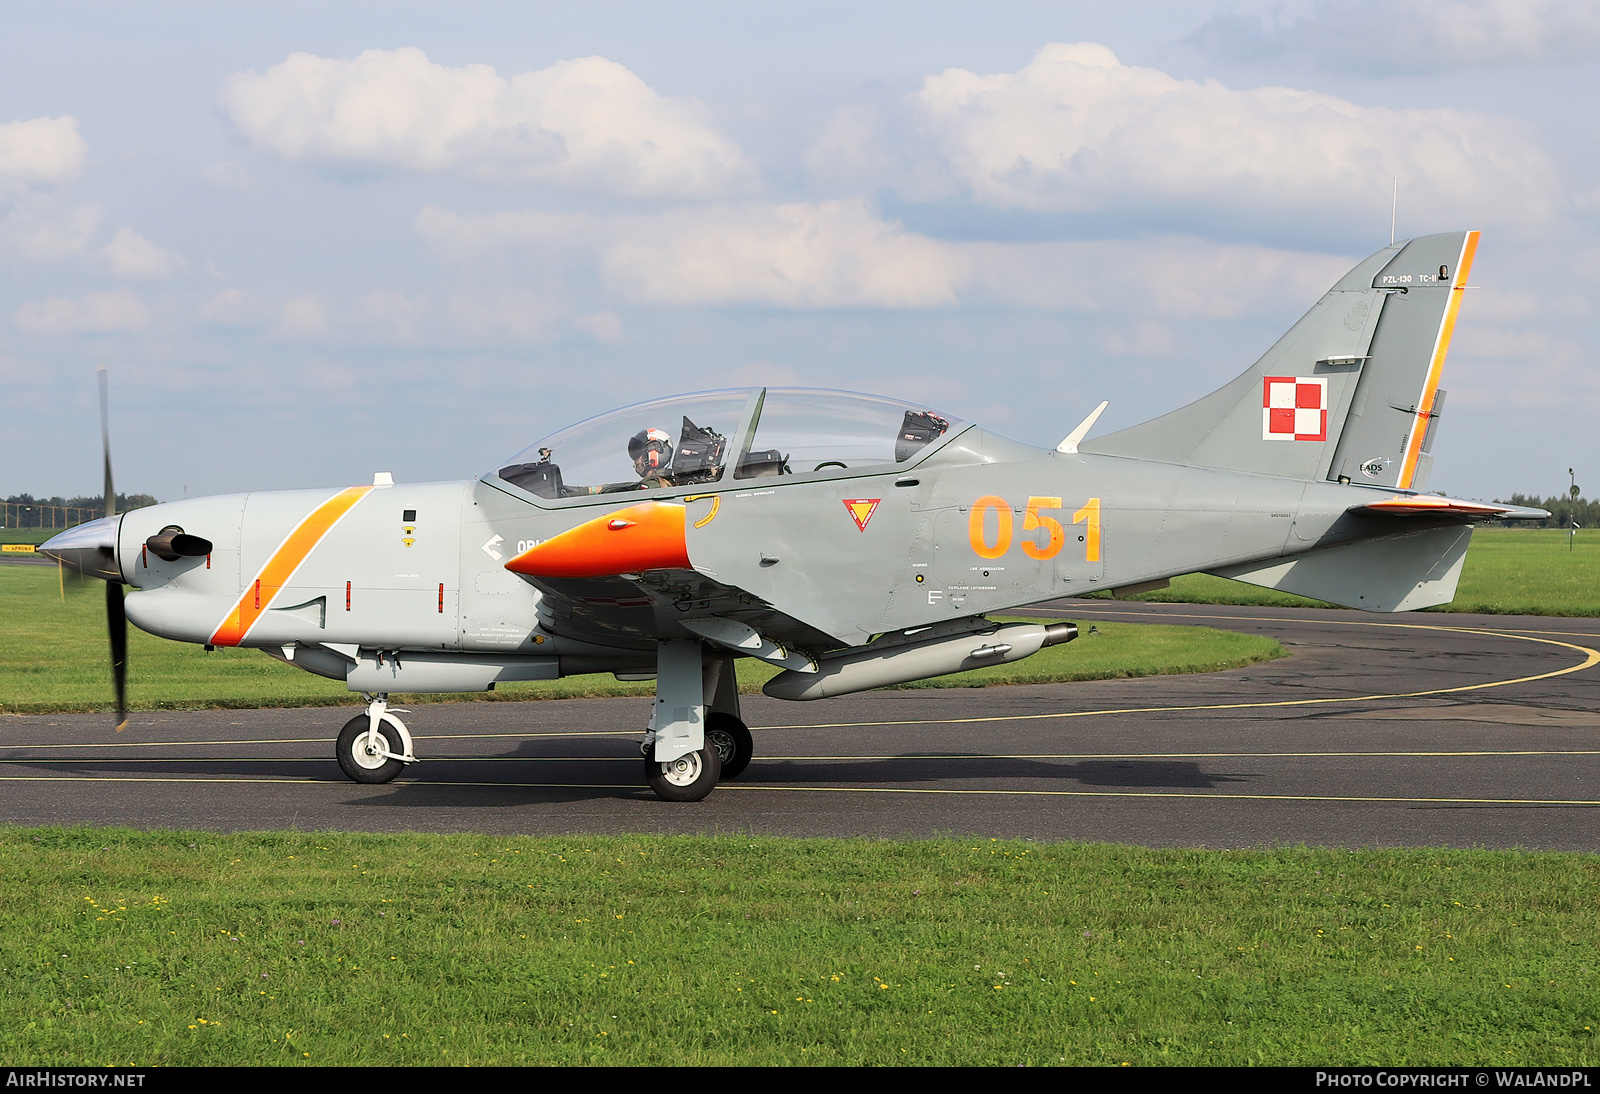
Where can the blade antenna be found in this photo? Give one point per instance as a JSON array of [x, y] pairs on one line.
[[1069, 443], [1394, 209], [116, 612]]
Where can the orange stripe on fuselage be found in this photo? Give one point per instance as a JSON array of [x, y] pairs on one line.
[[1441, 347], [266, 585]]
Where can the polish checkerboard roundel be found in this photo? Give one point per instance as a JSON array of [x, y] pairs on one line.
[[1294, 408]]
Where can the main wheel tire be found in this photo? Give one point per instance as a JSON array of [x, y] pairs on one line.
[[354, 759], [689, 778], [734, 746]]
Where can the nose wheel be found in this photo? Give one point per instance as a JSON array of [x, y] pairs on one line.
[[374, 747]]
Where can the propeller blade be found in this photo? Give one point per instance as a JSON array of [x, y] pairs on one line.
[[116, 612], [117, 625], [105, 443]]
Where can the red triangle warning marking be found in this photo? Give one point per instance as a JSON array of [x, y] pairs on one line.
[[861, 510]]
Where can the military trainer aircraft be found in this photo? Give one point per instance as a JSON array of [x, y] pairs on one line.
[[855, 541]]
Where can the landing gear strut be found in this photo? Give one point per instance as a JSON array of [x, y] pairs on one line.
[[695, 737], [374, 747]]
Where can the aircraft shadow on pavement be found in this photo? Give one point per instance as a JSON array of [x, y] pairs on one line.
[[443, 781], [903, 769]]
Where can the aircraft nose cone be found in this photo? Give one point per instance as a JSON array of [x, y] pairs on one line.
[[89, 549], [640, 537]]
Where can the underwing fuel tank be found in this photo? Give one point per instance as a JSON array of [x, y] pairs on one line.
[[901, 658]]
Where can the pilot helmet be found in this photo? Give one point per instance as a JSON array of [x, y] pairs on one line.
[[650, 449]]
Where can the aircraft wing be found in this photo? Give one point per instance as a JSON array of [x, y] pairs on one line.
[[655, 604], [1434, 505]]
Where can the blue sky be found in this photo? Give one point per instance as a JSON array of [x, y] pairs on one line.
[[311, 245]]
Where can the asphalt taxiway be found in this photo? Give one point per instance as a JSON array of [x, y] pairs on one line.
[[1411, 730]]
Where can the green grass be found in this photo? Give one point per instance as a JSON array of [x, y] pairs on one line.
[[1509, 571], [54, 657], [167, 948]]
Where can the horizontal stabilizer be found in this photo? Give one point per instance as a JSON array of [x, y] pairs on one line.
[[1397, 574], [1417, 505]]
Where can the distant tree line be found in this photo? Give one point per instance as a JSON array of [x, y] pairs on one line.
[[1564, 511], [27, 511]]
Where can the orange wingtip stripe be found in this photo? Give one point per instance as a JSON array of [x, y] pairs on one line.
[[625, 541], [259, 593], [1441, 349]]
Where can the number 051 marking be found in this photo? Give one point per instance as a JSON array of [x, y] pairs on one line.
[[1033, 519]]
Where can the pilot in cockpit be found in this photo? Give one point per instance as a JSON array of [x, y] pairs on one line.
[[651, 453]]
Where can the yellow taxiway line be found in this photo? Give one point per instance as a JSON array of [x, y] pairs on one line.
[[1348, 798], [875, 758]]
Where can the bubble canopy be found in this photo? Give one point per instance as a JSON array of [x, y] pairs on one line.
[[726, 437]]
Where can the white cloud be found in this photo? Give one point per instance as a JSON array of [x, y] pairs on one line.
[[132, 255], [1528, 369], [507, 314], [842, 255], [829, 254], [762, 374], [391, 315], [1170, 277], [587, 123], [605, 326], [832, 254], [35, 230], [41, 152], [457, 238], [1147, 338], [1077, 131], [850, 150], [1510, 305], [236, 309], [228, 174], [96, 313], [304, 317], [1402, 36]]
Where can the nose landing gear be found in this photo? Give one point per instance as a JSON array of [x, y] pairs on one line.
[[374, 747]]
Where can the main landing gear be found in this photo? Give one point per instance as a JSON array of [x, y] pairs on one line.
[[733, 741], [374, 747], [696, 737]]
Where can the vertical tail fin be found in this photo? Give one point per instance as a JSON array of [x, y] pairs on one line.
[[1350, 392]]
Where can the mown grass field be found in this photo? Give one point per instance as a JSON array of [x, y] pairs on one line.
[[54, 657], [1509, 571], [168, 948]]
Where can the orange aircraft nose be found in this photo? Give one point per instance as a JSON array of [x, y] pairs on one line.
[[640, 537]]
